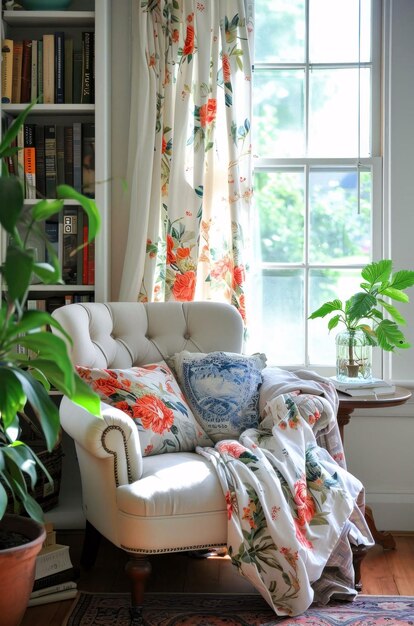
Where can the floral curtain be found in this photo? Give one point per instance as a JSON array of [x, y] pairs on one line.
[[189, 162]]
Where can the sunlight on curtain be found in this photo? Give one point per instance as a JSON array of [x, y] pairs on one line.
[[189, 160]]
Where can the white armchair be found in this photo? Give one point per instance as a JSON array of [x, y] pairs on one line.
[[154, 504]]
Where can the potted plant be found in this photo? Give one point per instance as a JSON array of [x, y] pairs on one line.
[[28, 380], [363, 317]]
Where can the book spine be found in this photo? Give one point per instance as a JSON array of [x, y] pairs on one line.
[[40, 71], [40, 161], [71, 573], [17, 71], [33, 73], [91, 263], [26, 71], [52, 560], [50, 160], [77, 156], [68, 70], [6, 71], [79, 255], [88, 159], [58, 596], [87, 92], [70, 243], [30, 160], [48, 69], [60, 154], [60, 67], [69, 155], [52, 233], [53, 589], [85, 250], [20, 155], [77, 76]]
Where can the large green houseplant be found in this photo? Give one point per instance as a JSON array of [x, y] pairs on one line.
[[362, 314], [27, 380]]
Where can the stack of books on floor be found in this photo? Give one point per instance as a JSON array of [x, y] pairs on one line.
[[374, 387], [55, 575]]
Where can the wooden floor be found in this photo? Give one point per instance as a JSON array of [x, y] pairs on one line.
[[383, 573]]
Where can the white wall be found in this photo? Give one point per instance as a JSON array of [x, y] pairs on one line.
[[379, 447]]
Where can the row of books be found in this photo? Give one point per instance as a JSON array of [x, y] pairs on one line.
[[48, 70], [52, 155], [55, 575], [67, 234], [51, 303]]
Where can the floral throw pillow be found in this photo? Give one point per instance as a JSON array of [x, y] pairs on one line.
[[151, 396], [222, 389]]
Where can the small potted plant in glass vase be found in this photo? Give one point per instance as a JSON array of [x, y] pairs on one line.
[[365, 322], [25, 380]]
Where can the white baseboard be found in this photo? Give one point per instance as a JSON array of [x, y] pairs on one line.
[[392, 511]]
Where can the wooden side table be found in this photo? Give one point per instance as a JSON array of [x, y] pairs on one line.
[[347, 404]]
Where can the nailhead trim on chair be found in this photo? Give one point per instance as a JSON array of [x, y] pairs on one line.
[[165, 550], [114, 454]]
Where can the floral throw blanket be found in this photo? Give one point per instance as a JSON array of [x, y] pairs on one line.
[[291, 507]]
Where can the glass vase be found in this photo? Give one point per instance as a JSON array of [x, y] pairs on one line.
[[353, 356]]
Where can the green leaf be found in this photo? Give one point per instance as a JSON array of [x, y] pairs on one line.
[[46, 272], [23, 458], [325, 309], [89, 206], [390, 336], [17, 271], [12, 397], [11, 202], [3, 500], [46, 208], [42, 405], [402, 279], [333, 322], [395, 294], [393, 312], [360, 304], [377, 272]]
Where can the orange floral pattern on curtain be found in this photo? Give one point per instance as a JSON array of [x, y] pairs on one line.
[[198, 61]]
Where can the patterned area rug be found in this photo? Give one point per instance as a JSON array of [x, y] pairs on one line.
[[180, 609]]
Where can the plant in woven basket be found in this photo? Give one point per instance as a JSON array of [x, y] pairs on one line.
[[31, 358], [363, 312]]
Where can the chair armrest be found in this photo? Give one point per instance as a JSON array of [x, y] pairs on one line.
[[113, 435]]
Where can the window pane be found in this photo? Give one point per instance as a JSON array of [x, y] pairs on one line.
[[334, 31], [279, 31], [279, 329], [333, 115], [337, 231], [325, 285], [278, 107], [279, 198]]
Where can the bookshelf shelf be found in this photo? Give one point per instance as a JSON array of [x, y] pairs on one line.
[[35, 26]]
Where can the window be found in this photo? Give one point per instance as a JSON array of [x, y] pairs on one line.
[[317, 181]]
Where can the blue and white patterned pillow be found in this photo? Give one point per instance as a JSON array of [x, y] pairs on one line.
[[222, 390]]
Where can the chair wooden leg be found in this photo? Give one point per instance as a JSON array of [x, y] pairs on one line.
[[358, 554], [138, 570], [90, 547]]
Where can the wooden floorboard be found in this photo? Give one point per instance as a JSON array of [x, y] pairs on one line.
[[383, 573]]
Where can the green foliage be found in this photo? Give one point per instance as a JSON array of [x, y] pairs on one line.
[[363, 311], [23, 379]]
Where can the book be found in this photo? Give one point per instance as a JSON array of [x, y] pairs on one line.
[[375, 386], [20, 155], [50, 160], [72, 573], [68, 139], [26, 71], [52, 560], [6, 70], [77, 156], [68, 71], [70, 243], [30, 161], [88, 159], [60, 154], [40, 71], [48, 69], [40, 161], [60, 67], [77, 76], [57, 596], [70, 584], [88, 61], [17, 71], [52, 234], [33, 71]]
